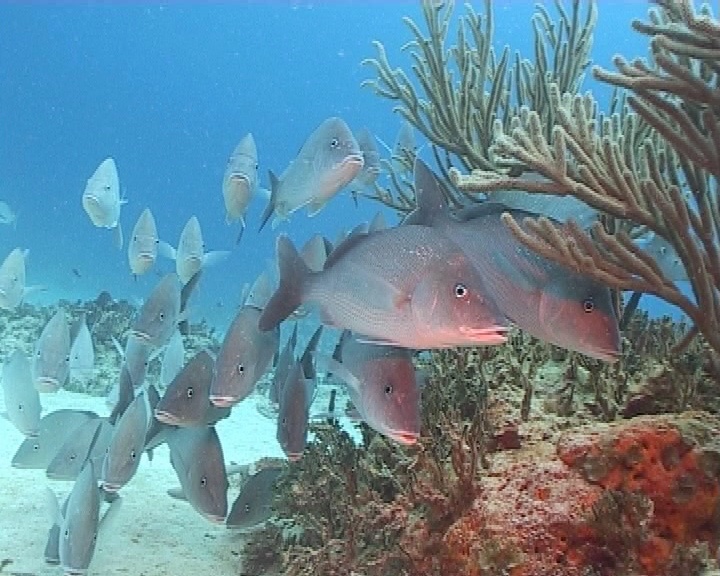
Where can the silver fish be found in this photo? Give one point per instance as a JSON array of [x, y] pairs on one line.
[[22, 400], [253, 506], [101, 199], [545, 299], [51, 358], [328, 160], [245, 355], [240, 181], [12, 279], [55, 428], [143, 245], [126, 445], [197, 457], [186, 401], [82, 354], [296, 397], [190, 255], [408, 286], [159, 316], [383, 385], [79, 524], [173, 359], [88, 443]]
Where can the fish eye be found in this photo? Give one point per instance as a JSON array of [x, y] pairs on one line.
[[257, 165], [190, 392], [133, 454], [588, 305], [67, 533], [134, 238], [461, 291], [161, 315], [334, 143], [203, 481], [388, 389], [241, 369], [36, 446], [247, 508], [20, 407]]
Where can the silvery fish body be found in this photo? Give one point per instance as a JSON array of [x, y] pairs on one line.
[[51, 358], [12, 279], [159, 315], [22, 400], [143, 244], [126, 445], [240, 180]]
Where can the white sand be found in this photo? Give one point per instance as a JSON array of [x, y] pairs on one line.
[[151, 534]]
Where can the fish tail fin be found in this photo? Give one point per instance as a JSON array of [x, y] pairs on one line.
[[288, 296], [270, 208]]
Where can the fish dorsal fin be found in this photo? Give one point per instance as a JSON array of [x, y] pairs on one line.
[[431, 204], [270, 208], [352, 240]]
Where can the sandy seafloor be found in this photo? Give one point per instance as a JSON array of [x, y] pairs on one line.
[[151, 534]]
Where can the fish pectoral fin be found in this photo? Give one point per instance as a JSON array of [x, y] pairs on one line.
[[177, 493], [118, 236], [166, 250], [315, 206], [214, 257]]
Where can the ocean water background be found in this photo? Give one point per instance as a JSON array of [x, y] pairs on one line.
[[168, 90]]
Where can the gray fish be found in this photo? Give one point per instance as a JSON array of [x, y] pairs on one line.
[[101, 199], [160, 314], [12, 279], [296, 397], [245, 355], [75, 451], [543, 298], [55, 428], [371, 158], [82, 353], [126, 446], [51, 359], [22, 400], [383, 385], [136, 358], [253, 506], [240, 181], [143, 244], [197, 457], [408, 286], [186, 401], [190, 255], [79, 523], [328, 160], [282, 366]]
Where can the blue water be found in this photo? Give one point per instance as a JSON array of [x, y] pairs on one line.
[[168, 90]]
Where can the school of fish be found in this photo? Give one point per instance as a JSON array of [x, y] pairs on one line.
[[440, 278]]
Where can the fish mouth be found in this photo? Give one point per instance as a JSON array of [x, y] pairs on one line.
[[47, 384], [215, 518], [241, 177], [223, 401], [145, 256], [167, 418], [294, 456], [74, 571], [492, 335], [111, 487], [353, 159], [403, 437]]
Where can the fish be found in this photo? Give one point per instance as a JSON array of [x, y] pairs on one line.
[[244, 357], [82, 354], [296, 397], [88, 443], [22, 400], [122, 458], [173, 359], [328, 160], [371, 159], [55, 427], [196, 456], [543, 298], [79, 524], [12, 279], [8, 217], [240, 181], [253, 505], [282, 366], [159, 315], [51, 357], [383, 385], [101, 199], [186, 401], [143, 245], [190, 255], [666, 257], [407, 286]]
